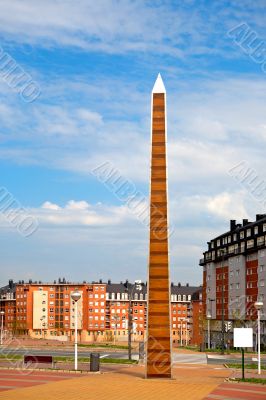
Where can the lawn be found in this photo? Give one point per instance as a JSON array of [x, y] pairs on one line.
[[247, 366]]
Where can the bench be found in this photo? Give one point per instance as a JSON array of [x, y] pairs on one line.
[[36, 359]]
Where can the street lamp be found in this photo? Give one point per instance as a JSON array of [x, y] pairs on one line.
[[181, 337], [259, 305], [115, 318], [222, 252], [209, 331], [2, 326], [137, 286], [75, 296], [41, 319]]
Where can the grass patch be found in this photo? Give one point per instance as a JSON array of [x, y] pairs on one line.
[[10, 357], [117, 361], [247, 366], [251, 380], [228, 351], [104, 346], [102, 360]]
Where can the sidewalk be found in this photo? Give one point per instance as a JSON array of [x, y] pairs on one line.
[[126, 383]]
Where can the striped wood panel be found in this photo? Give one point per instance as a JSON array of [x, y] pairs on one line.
[[158, 344]]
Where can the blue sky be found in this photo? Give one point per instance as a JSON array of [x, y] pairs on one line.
[[95, 65]]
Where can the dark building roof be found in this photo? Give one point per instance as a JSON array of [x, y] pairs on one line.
[[218, 247], [187, 290], [175, 289], [10, 288], [197, 295]]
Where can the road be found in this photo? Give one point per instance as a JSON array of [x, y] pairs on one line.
[[65, 353], [181, 358], [199, 358]]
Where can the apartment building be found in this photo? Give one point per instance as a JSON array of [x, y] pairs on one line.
[[8, 306], [46, 310], [234, 275]]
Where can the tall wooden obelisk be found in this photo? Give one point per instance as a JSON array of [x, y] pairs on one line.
[[158, 345]]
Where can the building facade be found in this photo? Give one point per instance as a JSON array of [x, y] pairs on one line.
[[8, 306], [46, 310], [234, 277]]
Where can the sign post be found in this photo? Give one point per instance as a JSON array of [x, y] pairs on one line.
[[243, 337], [243, 364]]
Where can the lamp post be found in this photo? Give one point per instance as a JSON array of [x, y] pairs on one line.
[[75, 296], [259, 305], [41, 319], [137, 286], [2, 326], [186, 332], [222, 350], [209, 330], [181, 332], [115, 318]]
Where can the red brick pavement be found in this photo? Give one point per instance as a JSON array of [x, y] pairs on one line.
[[238, 391], [14, 379]]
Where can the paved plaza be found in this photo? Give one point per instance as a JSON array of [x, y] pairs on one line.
[[192, 382]]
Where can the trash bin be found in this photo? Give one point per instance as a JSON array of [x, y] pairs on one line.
[[141, 351], [202, 347], [94, 362]]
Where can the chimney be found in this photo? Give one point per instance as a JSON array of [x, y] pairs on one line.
[[109, 281], [259, 216], [187, 285], [232, 224], [245, 222], [172, 284], [179, 284], [10, 283], [100, 281]]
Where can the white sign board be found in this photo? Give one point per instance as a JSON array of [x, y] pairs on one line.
[[243, 337]]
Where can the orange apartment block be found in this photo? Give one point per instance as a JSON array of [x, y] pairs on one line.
[[46, 310]]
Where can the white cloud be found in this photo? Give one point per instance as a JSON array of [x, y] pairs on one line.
[[47, 205], [228, 205], [111, 26]]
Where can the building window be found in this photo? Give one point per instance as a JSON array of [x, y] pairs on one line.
[[256, 230], [242, 235], [250, 243], [260, 240], [248, 232]]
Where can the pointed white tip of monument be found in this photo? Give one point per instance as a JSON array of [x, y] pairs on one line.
[[159, 86]]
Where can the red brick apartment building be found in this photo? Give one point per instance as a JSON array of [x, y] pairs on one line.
[[234, 277], [46, 310], [8, 306]]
